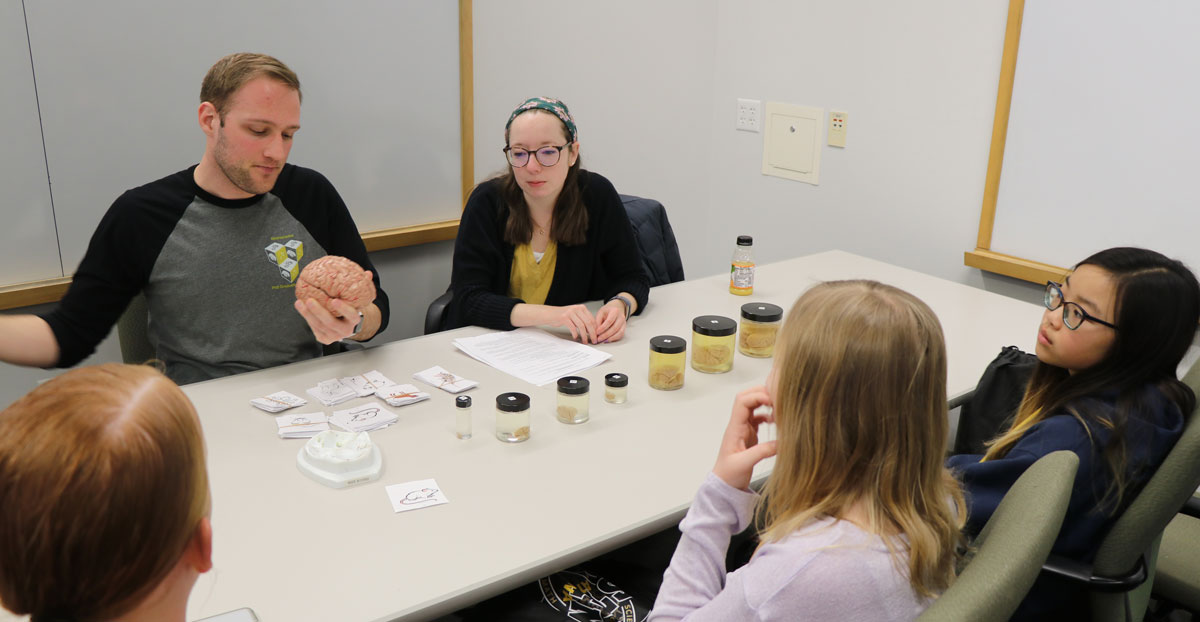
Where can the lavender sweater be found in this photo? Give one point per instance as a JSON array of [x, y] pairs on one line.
[[829, 570]]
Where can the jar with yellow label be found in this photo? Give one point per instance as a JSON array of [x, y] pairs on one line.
[[760, 324], [573, 393], [667, 359], [712, 343], [512, 417]]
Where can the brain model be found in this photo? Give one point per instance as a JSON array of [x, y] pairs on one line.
[[335, 277]]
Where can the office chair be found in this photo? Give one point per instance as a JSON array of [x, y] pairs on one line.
[[435, 315], [1012, 546], [131, 332], [1120, 579], [655, 240], [1177, 579]]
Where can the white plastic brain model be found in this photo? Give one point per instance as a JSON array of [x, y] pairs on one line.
[[335, 277]]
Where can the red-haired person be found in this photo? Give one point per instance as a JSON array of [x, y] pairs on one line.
[[105, 498]]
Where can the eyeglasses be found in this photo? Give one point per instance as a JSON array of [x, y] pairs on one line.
[[1073, 314], [546, 156]]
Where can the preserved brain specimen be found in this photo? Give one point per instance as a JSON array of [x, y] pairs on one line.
[[335, 277]]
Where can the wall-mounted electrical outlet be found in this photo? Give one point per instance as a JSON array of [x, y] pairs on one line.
[[749, 115], [837, 127]]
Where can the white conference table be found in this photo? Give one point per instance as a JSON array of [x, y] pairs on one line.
[[295, 551]]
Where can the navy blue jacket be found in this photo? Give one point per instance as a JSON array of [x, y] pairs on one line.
[[1149, 437]]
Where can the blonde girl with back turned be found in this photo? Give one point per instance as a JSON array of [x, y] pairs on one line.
[[861, 520]]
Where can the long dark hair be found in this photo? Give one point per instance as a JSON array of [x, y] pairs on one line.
[[570, 214], [1156, 312]]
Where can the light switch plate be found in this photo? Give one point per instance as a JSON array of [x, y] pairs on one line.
[[837, 127], [749, 115], [792, 142]]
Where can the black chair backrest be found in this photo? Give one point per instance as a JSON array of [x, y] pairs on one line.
[[655, 240]]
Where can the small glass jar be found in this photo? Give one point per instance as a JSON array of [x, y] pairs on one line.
[[712, 343], [616, 388], [462, 417], [760, 325], [512, 417], [573, 394], [668, 355]]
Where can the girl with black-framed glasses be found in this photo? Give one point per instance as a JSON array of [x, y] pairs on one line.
[[1105, 387]]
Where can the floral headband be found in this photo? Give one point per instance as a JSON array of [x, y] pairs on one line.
[[551, 105]]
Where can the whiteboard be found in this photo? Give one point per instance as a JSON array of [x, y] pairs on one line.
[[28, 247], [119, 81], [1103, 143]]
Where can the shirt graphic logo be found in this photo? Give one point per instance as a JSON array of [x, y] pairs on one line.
[[286, 258], [585, 597]]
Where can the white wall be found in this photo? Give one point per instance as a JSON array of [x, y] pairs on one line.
[[638, 78], [919, 82], [653, 87]]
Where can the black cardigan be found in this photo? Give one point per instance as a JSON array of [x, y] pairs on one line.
[[608, 263]]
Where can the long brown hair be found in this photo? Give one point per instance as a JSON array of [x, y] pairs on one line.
[[570, 214], [860, 409], [102, 486], [1157, 307]]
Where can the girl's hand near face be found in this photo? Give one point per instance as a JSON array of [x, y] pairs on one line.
[[740, 449]]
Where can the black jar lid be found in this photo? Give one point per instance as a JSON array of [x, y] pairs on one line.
[[667, 344], [512, 402], [463, 401], [573, 385], [762, 312], [745, 240], [714, 325], [616, 380]]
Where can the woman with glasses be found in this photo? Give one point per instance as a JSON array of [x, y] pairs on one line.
[[1105, 387], [546, 236]]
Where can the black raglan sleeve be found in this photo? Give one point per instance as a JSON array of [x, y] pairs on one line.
[[317, 205], [115, 267]]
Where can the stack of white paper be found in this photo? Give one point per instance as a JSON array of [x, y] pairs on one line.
[[332, 392], [278, 402], [444, 380], [363, 418], [368, 383], [401, 395], [532, 355], [301, 425]]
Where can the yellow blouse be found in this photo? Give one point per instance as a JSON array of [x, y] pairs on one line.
[[530, 280]]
